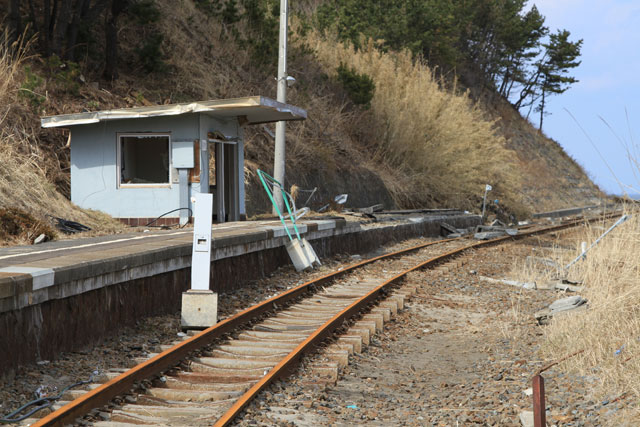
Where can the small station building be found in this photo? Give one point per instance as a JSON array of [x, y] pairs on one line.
[[137, 164]]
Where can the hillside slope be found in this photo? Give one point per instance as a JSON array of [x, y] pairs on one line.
[[551, 178], [422, 142]]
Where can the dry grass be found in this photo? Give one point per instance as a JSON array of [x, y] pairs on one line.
[[427, 145], [418, 146], [23, 178], [609, 331], [438, 137]]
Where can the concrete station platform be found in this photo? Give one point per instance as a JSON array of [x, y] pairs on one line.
[[59, 296]]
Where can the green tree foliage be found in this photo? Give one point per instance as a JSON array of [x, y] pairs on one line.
[[426, 27], [30, 88], [260, 35], [147, 15], [262, 18], [561, 56], [360, 87], [499, 41]]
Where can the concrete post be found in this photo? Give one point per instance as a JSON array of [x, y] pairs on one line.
[[183, 175], [487, 188]]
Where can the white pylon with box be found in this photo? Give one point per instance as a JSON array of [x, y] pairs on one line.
[[200, 304]]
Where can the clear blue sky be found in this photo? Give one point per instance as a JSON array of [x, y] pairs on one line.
[[609, 84]]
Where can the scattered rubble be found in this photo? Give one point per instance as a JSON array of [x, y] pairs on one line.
[[487, 232], [371, 209], [457, 355], [563, 305], [451, 232]]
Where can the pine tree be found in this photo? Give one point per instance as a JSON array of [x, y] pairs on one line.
[[561, 56]]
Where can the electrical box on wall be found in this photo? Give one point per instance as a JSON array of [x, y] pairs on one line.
[[182, 154]]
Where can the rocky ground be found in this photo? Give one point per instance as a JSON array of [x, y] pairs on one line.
[[461, 353], [49, 377]]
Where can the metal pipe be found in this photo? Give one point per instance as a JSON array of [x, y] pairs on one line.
[[280, 151], [622, 219]]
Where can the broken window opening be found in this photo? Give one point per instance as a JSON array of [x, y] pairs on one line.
[[144, 159]]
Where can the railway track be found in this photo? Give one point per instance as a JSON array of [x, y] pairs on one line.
[[208, 378]]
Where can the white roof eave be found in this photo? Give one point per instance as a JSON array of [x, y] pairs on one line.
[[256, 104]]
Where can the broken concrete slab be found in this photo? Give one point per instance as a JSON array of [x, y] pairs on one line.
[[446, 229], [486, 232], [371, 209], [497, 222], [487, 235], [567, 303], [561, 306], [525, 285]]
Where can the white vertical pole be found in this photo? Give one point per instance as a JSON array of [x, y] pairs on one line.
[[487, 188], [279, 156], [201, 253]]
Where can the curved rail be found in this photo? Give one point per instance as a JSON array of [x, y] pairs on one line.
[[122, 384], [336, 322]]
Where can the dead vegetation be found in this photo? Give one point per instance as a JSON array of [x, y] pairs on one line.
[[27, 170], [607, 335], [439, 140], [17, 226], [423, 143]]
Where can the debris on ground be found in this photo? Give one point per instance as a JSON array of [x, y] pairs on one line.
[[336, 204], [462, 352], [563, 306], [68, 226], [563, 285], [40, 239], [524, 285], [452, 232], [446, 229], [371, 209], [487, 232]]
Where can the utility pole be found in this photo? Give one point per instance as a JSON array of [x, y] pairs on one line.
[[279, 157]]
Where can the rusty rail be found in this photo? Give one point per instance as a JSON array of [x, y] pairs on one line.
[[336, 322], [122, 384]]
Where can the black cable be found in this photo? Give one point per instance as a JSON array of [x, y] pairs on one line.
[[68, 226], [46, 401], [167, 213]]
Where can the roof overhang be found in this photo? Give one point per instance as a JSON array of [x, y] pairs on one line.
[[250, 110]]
